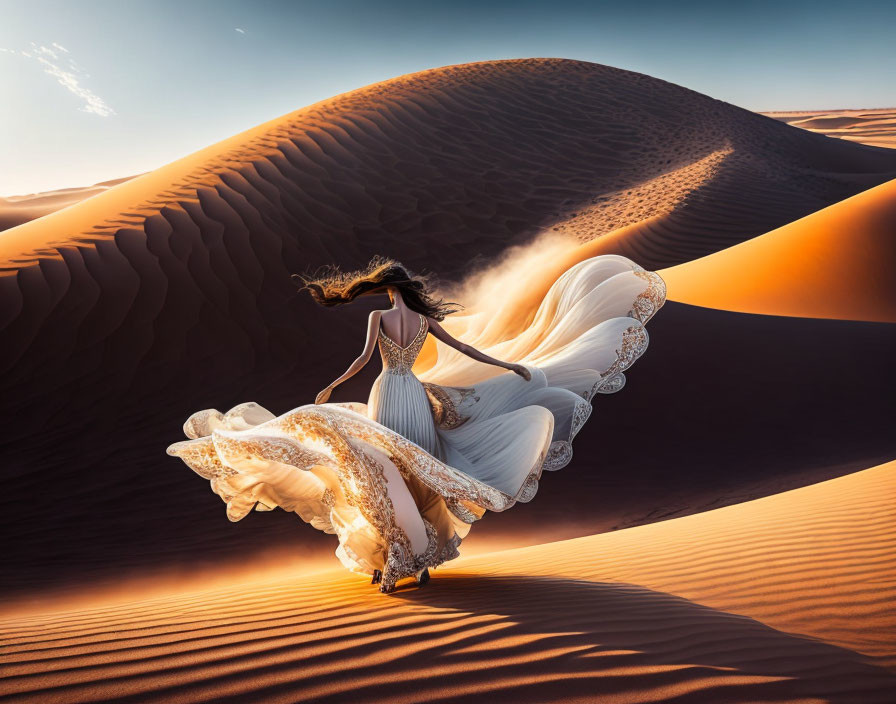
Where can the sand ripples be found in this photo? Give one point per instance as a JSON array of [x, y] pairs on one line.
[[786, 599]]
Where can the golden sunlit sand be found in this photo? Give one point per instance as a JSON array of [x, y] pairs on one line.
[[835, 263], [16, 210], [786, 599]]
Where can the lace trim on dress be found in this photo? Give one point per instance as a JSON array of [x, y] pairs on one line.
[[200, 456], [198, 425], [560, 452], [269, 448], [651, 299], [580, 414], [529, 487], [559, 455], [634, 344], [462, 511], [401, 561]]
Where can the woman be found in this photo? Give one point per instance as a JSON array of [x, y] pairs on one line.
[[401, 478]]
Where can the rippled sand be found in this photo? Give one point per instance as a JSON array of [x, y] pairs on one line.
[[785, 599]]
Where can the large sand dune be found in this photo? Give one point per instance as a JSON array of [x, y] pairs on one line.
[[784, 599], [168, 293], [836, 263], [485, 154]]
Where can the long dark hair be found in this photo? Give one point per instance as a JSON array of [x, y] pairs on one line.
[[330, 286]]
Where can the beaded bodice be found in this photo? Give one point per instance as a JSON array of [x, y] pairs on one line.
[[398, 359]]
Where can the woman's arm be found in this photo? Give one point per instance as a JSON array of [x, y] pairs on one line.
[[440, 333], [373, 326]]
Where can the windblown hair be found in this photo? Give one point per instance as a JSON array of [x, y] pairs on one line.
[[330, 286]]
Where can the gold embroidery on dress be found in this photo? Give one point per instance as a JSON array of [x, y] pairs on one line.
[[467, 513], [634, 343], [580, 414], [364, 483], [398, 359], [201, 456], [444, 401], [651, 299]]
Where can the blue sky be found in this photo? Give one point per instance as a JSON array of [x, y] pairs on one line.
[[95, 90]]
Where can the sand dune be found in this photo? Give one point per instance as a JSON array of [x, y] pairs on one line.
[[15, 210], [873, 127], [168, 293], [488, 153], [836, 263], [784, 599]]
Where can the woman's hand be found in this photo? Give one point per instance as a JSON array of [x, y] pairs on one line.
[[323, 395], [521, 370]]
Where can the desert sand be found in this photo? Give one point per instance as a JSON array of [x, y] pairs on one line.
[[785, 599], [835, 263], [876, 127], [729, 573], [16, 210]]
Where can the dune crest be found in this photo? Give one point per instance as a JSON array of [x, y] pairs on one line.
[[835, 263], [500, 148]]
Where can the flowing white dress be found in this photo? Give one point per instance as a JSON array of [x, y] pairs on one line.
[[401, 478]]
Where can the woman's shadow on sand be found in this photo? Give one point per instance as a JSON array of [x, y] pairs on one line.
[[558, 639]]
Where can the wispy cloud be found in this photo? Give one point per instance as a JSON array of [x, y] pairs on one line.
[[241, 31], [67, 73]]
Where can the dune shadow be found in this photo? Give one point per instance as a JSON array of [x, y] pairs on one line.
[[540, 639], [589, 631], [496, 639]]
